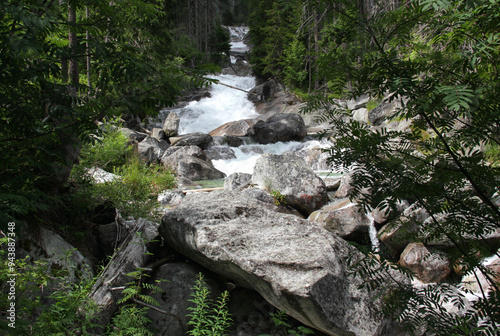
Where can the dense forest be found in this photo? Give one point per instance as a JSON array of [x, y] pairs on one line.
[[67, 66]]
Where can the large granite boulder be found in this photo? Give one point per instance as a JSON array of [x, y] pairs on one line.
[[295, 265], [280, 127], [290, 175], [237, 128]]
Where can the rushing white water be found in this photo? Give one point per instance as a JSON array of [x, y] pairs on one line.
[[247, 155], [225, 104]]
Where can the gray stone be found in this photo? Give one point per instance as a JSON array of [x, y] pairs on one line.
[[158, 134], [398, 233], [220, 153], [237, 180], [171, 197], [290, 175], [428, 266], [238, 128], [150, 150], [344, 190], [176, 281], [281, 127], [133, 135], [199, 139], [345, 219], [191, 163], [381, 216], [295, 265], [171, 125]]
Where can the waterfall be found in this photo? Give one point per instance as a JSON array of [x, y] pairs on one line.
[[228, 102]]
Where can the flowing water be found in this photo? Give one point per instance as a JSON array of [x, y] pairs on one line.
[[228, 102]]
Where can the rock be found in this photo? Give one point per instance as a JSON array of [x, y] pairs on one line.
[[174, 152], [220, 153], [237, 180], [344, 218], [358, 103], [171, 125], [381, 113], [344, 190], [171, 197], [281, 127], [296, 266], [426, 265], [176, 281], [150, 150], [290, 175], [332, 183], [231, 141], [238, 128], [191, 163], [199, 139], [470, 282], [158, 134], [382, 216], [133, 135], [398, 233], [131, 254], [98, 175], [61, 257], [360, 115]]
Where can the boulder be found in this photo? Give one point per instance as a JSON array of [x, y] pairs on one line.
[[131, 254], [264, 91], [380, 113], [381, 216], [170, 197], [289, 175], [344, 218], [171, 125], [295, 265], [133, 135], [398, 233], [199, 139], [470, 281], [59, 255], [238, 128], [220, 153], [426, 265], [344, 190], [231, 141], [191, 163], [174, 152], [237, 180], [150, 150], [281, 127], [158, 134], [176, 281], [99, 175]]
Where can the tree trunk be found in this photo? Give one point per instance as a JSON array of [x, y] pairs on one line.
[[64, 60], [74, 75]]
